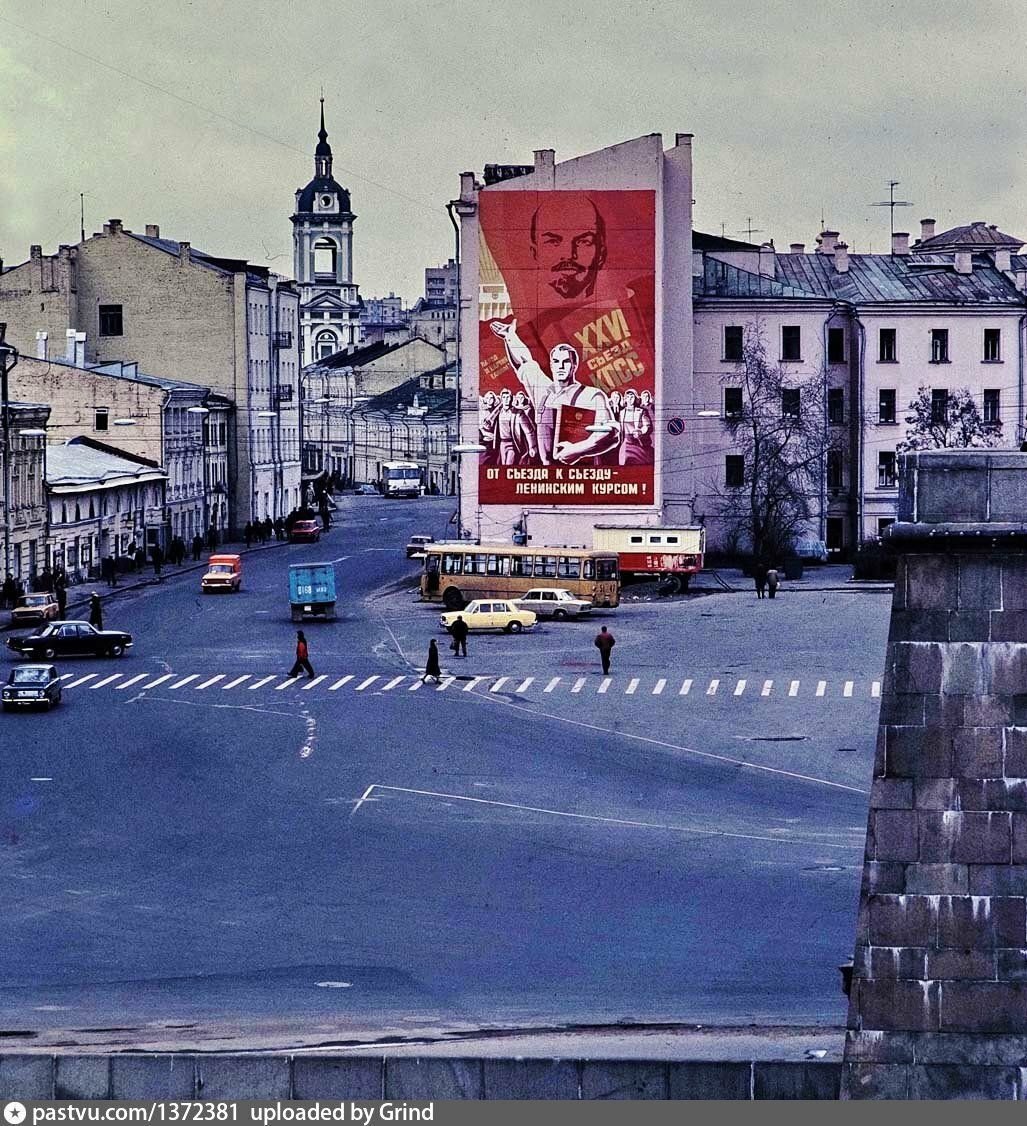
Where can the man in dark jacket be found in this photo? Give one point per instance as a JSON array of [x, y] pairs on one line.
[[95, 611], [197, 547], [459, 631], [604, 642]]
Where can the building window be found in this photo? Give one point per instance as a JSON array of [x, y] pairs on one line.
[[733, 342], [733, 405], [886, 478], [790, 402], [887, 353], [939, 345], [791, 342], [734, 471], [324, 258], [992, 345], [886, 405], [834, 469], [836, 406], [884, 523], [992, 410], [325, 345], [110, 320], [101, 419], [836, 346], [939, 406]]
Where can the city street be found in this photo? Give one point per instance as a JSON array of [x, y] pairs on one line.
[[193, 839]]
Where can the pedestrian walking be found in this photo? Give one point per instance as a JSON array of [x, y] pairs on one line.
[[773, 581], [302, 657], [157, 558], [432, 667], [95, 611], [61, 594], [247, 533], [197, 547], [604, 642], [10, 591], [140, 558], [459, 630], [212, 538], [107, 570], [759, 577]]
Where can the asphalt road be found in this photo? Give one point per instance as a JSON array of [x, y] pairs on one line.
[[199, 844]]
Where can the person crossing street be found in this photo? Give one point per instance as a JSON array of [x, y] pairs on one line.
[[459, 629], [302, 657], [604, 642]]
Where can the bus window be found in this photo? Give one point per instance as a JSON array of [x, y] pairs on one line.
[[606, 569], [498, 565], [568, 567], [588, 570], [452, 563], [521, 565], [545, 566], [474, 563]]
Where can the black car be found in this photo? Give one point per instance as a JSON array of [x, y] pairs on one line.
[[29, 685], [71, 639]]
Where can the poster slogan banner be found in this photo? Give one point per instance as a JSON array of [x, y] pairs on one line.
[[566, 329]]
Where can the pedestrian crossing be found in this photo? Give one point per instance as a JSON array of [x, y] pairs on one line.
[[546, 687]]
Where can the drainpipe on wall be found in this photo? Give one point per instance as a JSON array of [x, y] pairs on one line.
[[860, 424], [1019, 378]]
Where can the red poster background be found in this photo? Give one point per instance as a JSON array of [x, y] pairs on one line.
[[578, 268]]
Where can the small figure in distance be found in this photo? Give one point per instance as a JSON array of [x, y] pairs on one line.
[[773, 581], [432, 667], [459, 630], [95, 611]]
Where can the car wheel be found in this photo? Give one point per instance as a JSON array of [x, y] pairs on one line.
[[560, 615], [49, 654], [453, 598], [115, 650], [514, 627]]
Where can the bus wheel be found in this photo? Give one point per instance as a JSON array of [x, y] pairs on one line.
[[453, 598]]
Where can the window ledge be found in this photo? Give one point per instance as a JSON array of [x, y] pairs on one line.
[[887, 422], [993, 361], [882, 361], [939, 361], [790, 360], [731, 360]]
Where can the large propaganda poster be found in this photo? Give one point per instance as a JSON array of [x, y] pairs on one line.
[[566, 350]]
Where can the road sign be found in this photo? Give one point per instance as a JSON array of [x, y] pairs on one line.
[[675, 426]]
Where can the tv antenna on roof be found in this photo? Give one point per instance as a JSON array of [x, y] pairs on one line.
[[891, 202], [750, 230]]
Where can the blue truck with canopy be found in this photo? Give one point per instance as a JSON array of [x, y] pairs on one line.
[[312, 591]]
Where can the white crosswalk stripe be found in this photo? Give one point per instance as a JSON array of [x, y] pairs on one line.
[[659, 691]]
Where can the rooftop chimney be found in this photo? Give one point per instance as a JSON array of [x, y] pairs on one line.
[[69, 346], [41, 345], [768, 268], [798, 248], [35, 251], [545, 166], [900, 242], [964, 262], [80, 349], [841, 257], [112, 227], [1003, 258], [926, 229], [152, 230], [826, 241], [183, 251]]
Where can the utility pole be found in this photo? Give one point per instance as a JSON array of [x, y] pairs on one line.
[[8, 361]]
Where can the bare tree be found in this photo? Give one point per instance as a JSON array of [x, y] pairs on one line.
[[949, 422], [781, 438]]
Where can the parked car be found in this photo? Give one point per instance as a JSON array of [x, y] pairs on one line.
[[30, 686], [224, 572], [417, 545], [484, 614], [35, 608], [71, 639], [305, 531], [554, 602], [811, 551], [365, 491]]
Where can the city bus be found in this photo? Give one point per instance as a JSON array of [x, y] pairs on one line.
[[455, 573], [401, 479]]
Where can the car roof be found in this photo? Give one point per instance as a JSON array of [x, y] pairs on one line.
[[32, 667]]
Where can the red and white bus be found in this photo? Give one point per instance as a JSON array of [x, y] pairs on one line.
[[673, 554]]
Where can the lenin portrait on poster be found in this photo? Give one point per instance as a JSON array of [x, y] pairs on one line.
[[567, 380]]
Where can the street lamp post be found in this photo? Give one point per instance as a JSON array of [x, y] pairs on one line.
[[8, 361]]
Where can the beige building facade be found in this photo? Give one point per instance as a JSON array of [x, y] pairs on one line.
[[23, 501]]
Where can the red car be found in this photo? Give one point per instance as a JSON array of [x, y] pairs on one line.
[[305, 531]]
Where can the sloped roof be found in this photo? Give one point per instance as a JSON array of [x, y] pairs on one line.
[[702, 241], [438, 400], [895, 277], [366, 354], [79, 464], [721, 279], [305, 203], [115, 369], [211, 261], [976, 235]]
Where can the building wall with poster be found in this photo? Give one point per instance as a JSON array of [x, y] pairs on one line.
[[576, 330]]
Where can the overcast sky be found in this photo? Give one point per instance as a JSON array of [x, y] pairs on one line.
[[202, 116]]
